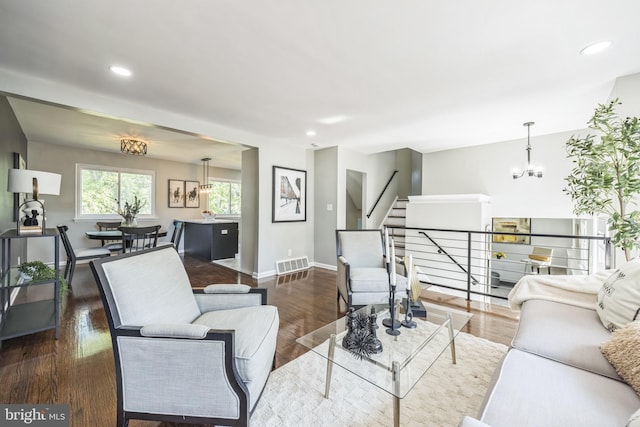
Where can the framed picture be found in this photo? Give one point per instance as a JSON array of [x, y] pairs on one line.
[[18, 198], [512, 225], [289, 195], [192, 194], [176, 193]]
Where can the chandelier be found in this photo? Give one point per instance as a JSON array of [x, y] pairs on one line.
[[530, 169], [134, 147], [205, 187]]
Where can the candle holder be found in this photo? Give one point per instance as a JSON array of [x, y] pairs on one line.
[[392, 323], [408, 321]]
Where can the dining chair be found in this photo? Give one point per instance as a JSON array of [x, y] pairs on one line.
[[176, 236], [112, 245], [139, 238], [539, 258], [79, 254]]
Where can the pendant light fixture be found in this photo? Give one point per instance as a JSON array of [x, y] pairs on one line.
[[530, 169], [134, 147], [205, 187]]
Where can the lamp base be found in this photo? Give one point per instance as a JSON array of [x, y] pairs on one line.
[[31, 229]]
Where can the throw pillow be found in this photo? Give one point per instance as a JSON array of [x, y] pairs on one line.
[[623, 352], [634, 420], [619, 296]]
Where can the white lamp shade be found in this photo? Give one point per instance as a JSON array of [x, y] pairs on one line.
[[21, 181]]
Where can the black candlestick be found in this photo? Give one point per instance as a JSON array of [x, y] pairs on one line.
[[393, 324], [408, 321]]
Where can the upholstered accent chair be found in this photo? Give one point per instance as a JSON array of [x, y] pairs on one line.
[[362, 269], [183, 355]]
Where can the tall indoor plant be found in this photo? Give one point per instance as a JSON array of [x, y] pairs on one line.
[[605, 178]]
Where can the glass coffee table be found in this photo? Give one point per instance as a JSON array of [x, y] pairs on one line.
[[404, 359]]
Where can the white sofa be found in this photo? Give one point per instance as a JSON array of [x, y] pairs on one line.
[[555, 374]]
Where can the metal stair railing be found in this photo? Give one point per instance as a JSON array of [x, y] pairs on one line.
[[381, 194]]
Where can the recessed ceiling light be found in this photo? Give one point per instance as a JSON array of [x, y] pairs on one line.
[[311, 133], [121, 71], [333, 120], [595, 47]]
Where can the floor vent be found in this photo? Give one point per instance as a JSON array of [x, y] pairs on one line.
[[290, 265]]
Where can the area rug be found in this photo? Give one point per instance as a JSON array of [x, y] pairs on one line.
[[294, 394]]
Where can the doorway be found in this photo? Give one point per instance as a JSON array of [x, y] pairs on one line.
[[354, 199]]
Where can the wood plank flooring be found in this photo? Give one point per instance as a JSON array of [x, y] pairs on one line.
[[78, 368]]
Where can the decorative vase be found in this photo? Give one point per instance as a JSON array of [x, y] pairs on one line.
[[129, 221]]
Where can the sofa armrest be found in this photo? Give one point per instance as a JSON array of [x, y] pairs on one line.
[[174, 330], [227, 289], [224, 301], [472, 422]]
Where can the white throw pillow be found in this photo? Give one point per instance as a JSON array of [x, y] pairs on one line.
[[619, 296], [634, 420]]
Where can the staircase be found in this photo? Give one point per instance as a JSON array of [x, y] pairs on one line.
[[397, 217]]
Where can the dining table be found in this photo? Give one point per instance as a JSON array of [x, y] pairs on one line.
[[113, 234]]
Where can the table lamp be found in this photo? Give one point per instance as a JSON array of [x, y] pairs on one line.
[[36, 183]]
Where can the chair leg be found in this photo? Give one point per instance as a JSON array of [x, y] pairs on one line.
[[73, 267], [66, 269]]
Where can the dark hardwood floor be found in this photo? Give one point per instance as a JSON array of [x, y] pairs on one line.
[[78, 368]]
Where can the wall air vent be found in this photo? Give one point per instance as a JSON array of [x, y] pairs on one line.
[[290, 265]]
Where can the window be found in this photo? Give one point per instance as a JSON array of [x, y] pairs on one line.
[[101, 188], [224, 198]]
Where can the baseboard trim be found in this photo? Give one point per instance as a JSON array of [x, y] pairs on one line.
[[325, 266]]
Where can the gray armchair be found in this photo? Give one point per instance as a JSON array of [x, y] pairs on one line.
[[362, 270], [181, 354]]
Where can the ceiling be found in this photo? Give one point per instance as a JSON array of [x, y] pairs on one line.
[[42, 122], [420, 74]]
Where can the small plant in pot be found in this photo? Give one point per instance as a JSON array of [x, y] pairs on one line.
[[39, 271], [130, 211]]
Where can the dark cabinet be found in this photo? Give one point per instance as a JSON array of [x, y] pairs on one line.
[[211, 240]]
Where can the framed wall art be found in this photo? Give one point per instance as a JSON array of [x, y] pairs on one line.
[[176, 193], [512, 225], [289, 195], [192, 194]]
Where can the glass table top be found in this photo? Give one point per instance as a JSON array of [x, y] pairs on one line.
[[410, 354]]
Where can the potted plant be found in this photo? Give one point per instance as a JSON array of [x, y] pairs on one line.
[[605, 178], [39, 271], [130, 211]]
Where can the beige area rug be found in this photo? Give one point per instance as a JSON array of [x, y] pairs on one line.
[[294, 394]]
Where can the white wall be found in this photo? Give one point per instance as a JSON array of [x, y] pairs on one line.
[[377, 168], [487, 169], [277, 239]]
